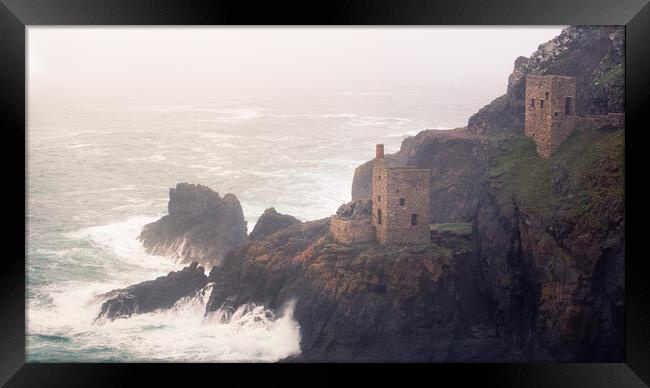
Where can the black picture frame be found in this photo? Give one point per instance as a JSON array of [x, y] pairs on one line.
[[16, 15]]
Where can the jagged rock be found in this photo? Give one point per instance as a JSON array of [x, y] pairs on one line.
[[151, 295], [541, 278], [530, 283], [364, 303], [545, 248], [200, 225], [270, 222], [355, 210], [594, 55]]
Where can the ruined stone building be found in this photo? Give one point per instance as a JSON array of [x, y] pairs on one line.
[[352, 223], [400, 203], [397, 213], [550, 114], [551, 117]]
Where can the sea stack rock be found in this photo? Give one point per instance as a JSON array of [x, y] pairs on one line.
[[270, 222], [151, 295], [201, 226]]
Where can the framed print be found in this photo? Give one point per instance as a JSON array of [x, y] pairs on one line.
[[393, 189]]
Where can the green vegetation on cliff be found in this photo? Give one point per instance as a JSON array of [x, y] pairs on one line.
[[458, 228], [585, 175], [614, 75]]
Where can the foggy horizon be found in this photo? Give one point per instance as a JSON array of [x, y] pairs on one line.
[[68, 65]]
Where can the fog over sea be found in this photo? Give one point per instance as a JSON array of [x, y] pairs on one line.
[[97, 173]]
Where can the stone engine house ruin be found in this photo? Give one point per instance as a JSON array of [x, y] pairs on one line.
[[400, 203], [550, 114], [397, 213]]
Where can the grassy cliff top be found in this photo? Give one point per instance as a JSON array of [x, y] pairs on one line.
[[583, 175]]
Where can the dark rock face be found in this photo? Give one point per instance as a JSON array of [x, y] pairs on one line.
[[549, 239], [151, 295], [540, 279], [456, 161], [543, 235], [365, 302], [594, 55], [362, 183], [200, 225], [270, 222]]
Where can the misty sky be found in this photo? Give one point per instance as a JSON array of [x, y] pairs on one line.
[[128, 64]]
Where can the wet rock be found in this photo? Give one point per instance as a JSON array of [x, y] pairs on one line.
[[161, 293]]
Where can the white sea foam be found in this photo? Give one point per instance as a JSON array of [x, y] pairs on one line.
[[120, 240], [182, 333]]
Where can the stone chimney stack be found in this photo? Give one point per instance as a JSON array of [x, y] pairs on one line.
[[379, 151]]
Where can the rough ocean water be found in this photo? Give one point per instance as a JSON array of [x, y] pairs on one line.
[[97, 174]]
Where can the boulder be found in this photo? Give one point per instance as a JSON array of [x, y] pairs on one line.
[[355, 210], [270, 222], [151, 295]]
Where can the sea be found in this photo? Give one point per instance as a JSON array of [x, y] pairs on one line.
[[98, 172]]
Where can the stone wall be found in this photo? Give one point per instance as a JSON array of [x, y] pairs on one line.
[[350, 231], [537, 117], [550, 113], [608, 121]]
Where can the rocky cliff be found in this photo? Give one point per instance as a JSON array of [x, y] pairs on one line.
[[457, 158], [201, 226], [549, 236], [593, 54], [270, 222], [540, 277], [366, 302]]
